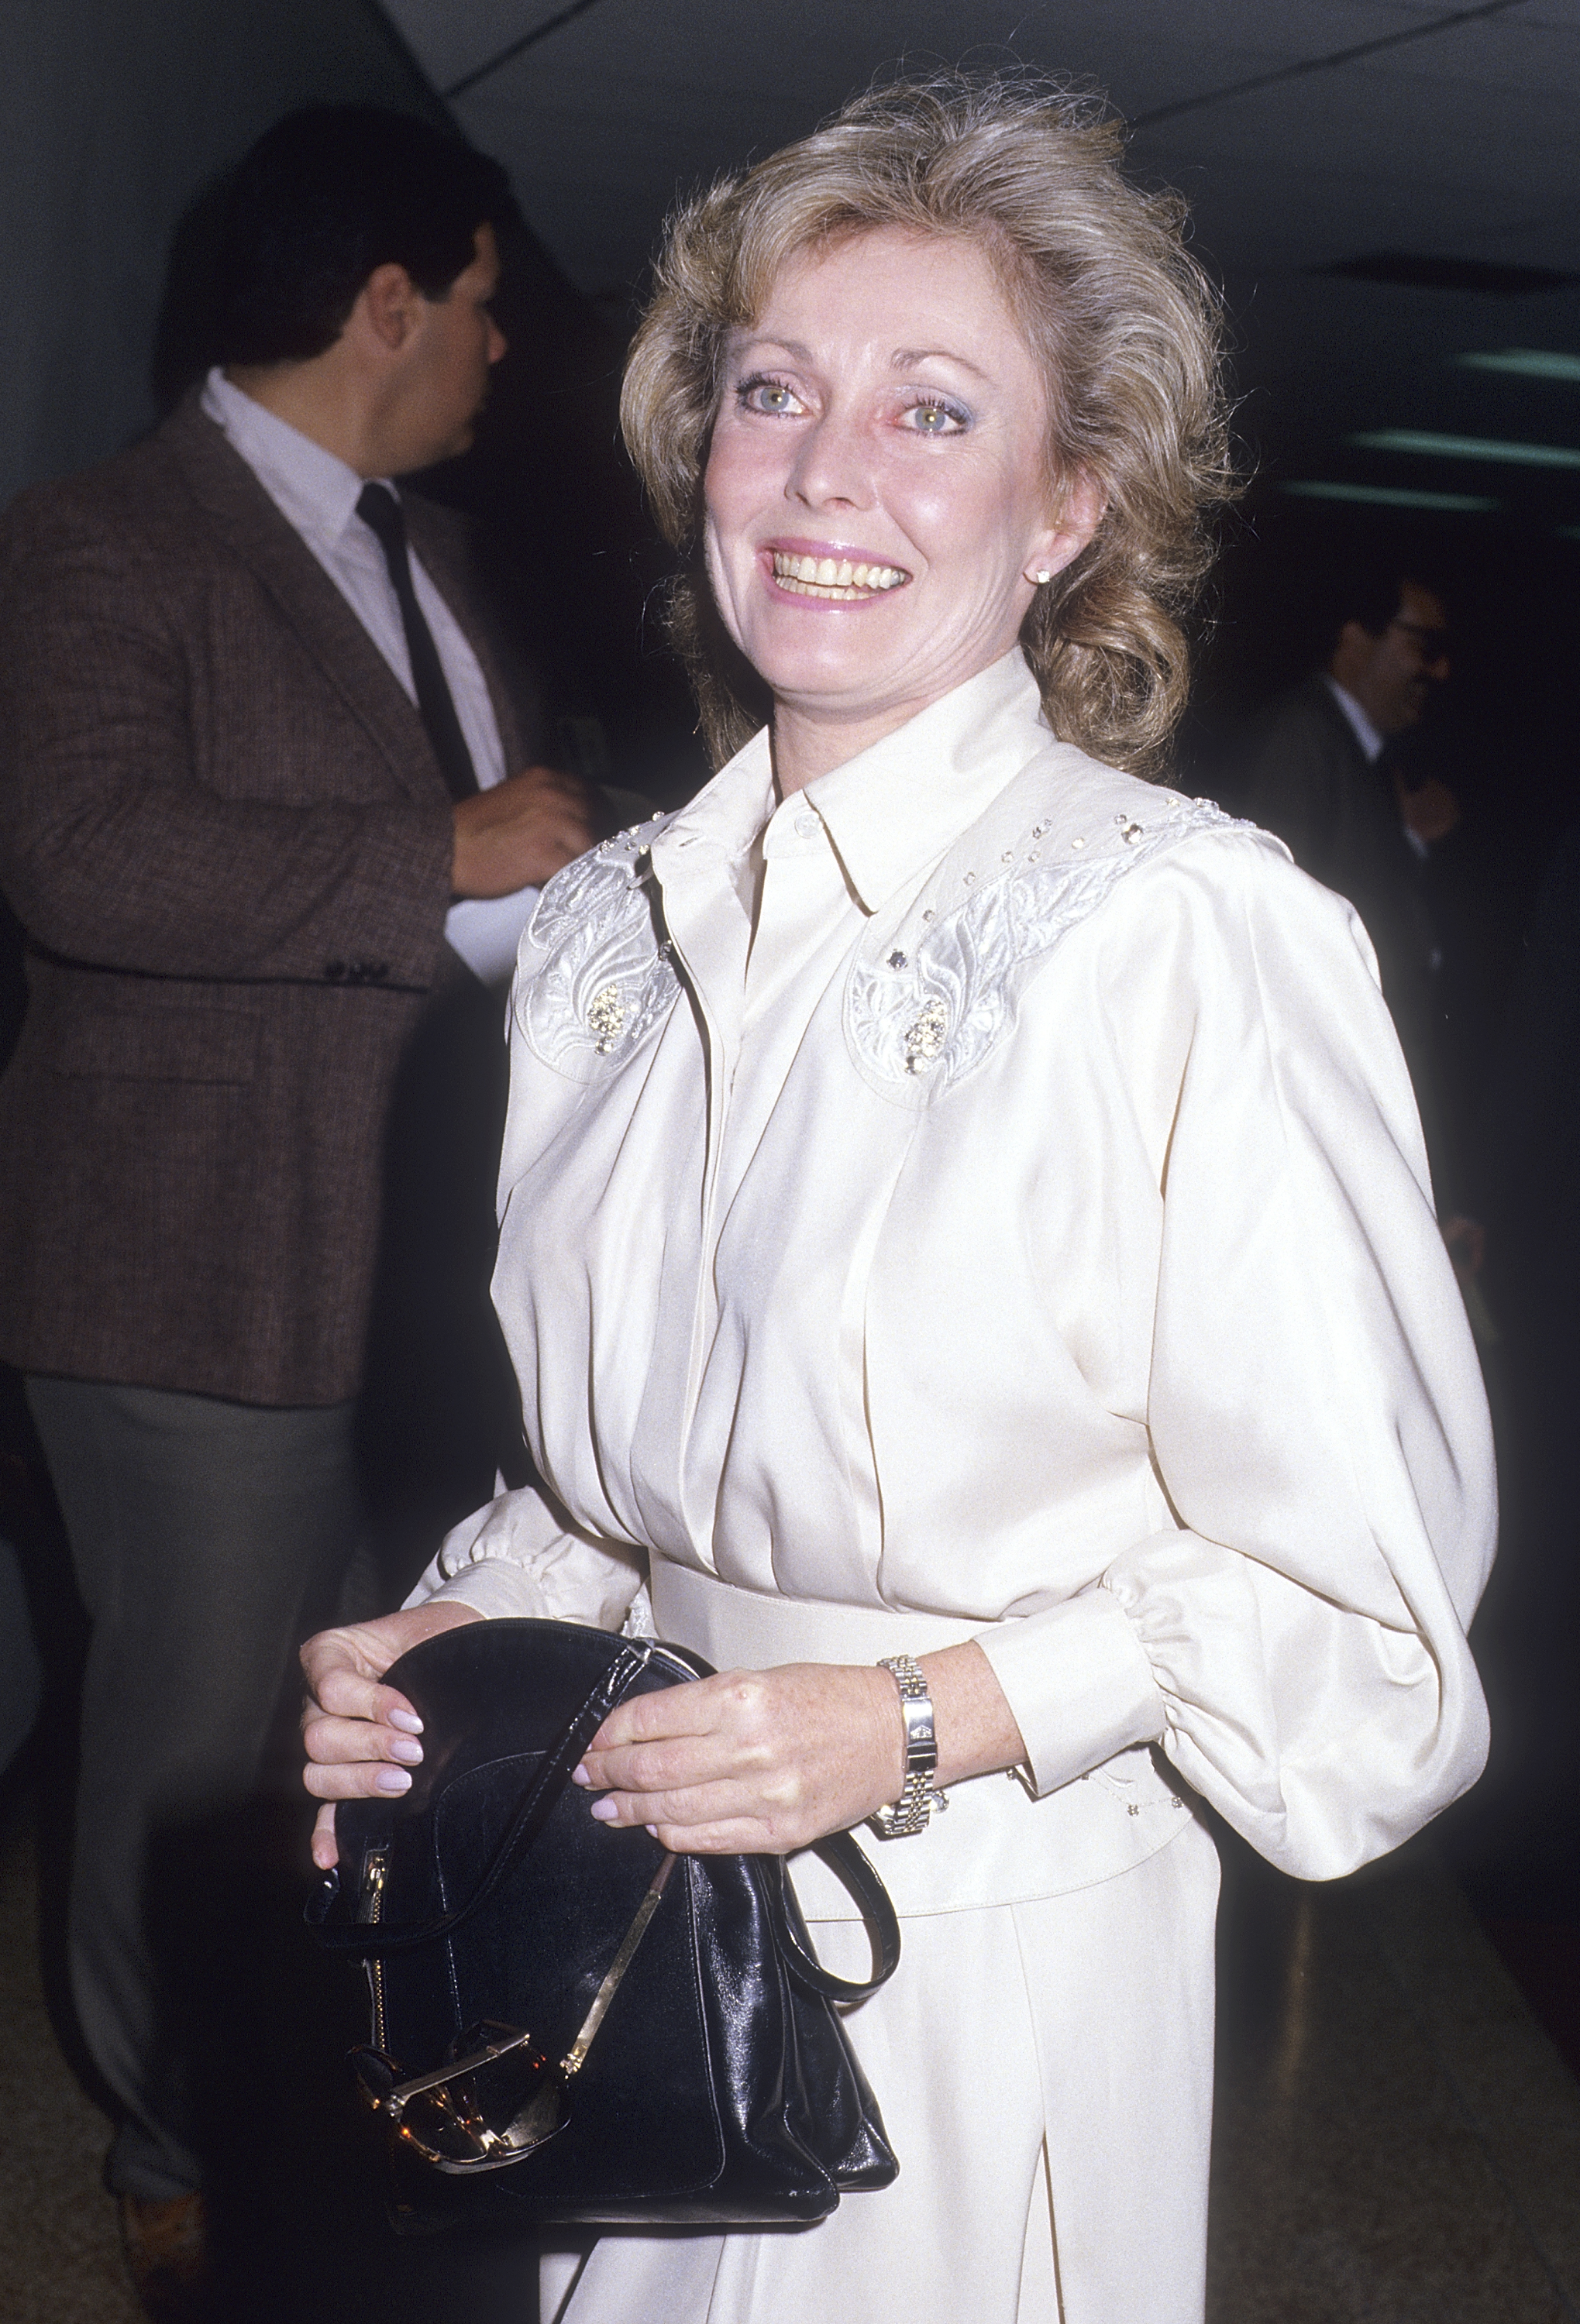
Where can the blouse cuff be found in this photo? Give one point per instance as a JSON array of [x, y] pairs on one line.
[[493, 1587], [1078, 1682]]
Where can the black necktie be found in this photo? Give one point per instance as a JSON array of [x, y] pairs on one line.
[[380, 510]]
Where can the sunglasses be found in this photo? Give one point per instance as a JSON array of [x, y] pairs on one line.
[[498, 2095]]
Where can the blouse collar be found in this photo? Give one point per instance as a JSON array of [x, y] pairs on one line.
[[896, 806]]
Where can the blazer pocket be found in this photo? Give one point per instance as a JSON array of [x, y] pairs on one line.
[[178, 1045]]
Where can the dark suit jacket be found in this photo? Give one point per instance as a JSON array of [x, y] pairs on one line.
[[225, 833], [1306, 777]]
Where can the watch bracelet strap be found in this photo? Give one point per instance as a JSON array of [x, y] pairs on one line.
[[912, 1811]]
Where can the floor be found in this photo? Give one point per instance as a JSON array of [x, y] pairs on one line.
[[1398, 2137]]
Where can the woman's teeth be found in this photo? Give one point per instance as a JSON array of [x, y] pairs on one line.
[[834, 577]]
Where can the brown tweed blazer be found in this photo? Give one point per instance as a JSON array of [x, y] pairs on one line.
[[228, 839]]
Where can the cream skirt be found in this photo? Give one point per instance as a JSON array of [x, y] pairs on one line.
[[1045, 2072]]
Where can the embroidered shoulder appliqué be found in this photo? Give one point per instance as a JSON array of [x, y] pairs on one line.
[[605, 978], [918, 1019]]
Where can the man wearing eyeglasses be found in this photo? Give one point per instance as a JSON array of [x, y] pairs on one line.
[[1316, 774]]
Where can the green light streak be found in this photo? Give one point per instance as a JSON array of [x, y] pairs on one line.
[[1468, 447], [1526, 362], [1394, 496]]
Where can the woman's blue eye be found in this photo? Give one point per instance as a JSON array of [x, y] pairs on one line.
[[937, 419], [769, 395]]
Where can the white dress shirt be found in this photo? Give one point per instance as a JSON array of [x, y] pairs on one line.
[[1360, 725], [317, 495], [1024, 1235]]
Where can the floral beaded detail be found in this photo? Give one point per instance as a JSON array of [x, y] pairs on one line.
[[918, 1020], [604, 977]]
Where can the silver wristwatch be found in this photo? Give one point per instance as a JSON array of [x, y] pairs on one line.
[[917, 1799]]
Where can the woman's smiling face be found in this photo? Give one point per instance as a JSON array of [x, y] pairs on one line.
[[876, 490]]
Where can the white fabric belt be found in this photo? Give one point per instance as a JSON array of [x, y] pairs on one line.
[[994, 1844], [748, 1629]]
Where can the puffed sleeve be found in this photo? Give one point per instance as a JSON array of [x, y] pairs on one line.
[[1318, 1429], [522, 1555]]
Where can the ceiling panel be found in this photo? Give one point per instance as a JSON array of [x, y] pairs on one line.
[[1459, 143]]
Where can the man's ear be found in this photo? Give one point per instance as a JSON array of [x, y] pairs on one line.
[[390, 305], [1082, 505]]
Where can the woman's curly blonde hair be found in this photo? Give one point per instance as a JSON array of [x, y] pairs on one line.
[[1123, 323]]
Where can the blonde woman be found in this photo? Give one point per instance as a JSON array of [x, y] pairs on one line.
[[967, 1240]]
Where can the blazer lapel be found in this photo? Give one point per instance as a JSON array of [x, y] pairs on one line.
[[253, 528]]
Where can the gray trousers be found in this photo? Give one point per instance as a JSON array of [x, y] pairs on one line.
[[203, 1534]]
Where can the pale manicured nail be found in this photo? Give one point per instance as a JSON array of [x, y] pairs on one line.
[[653, 1829], [407, 1721], [578, 1775], [392, 1779], [407, 1749], [605, 1811]]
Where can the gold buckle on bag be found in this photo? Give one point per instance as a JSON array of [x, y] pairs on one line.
[[445, 2117]]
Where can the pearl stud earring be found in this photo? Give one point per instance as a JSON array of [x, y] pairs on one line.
[[1041, 578]]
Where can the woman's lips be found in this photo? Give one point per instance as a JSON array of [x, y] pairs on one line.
[[842, 579]]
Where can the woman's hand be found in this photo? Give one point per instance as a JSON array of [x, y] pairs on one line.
[[764, 1762], [361, 1738], [751, 1762]]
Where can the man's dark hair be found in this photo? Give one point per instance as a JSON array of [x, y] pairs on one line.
[[1371, 597], [323, 199]]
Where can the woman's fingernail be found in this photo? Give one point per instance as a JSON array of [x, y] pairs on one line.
[[653, 1829], [392, 1779], [603, 1809], [407, 1749], [407, 1721], [578, 1775]]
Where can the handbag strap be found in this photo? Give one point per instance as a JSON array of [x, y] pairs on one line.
[[838, 1851], [362, 1938], [841, 1852]]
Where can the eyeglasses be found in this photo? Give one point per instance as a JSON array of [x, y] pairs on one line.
[[498, 2095], [1432, 644]]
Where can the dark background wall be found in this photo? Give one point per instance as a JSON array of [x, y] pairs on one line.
[[112, 118]]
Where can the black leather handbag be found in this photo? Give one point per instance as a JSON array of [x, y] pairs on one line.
[[570, 2024]]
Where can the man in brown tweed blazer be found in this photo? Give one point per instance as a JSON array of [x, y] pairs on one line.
[[236, 808]]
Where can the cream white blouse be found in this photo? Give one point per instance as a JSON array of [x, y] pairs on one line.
[[983, 1196]]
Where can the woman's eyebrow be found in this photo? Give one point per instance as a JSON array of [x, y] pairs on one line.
[[795, 348], [905, 358]]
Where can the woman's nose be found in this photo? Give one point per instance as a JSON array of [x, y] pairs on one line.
[[831, 466]]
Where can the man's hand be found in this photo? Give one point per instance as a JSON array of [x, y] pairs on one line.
[[1431, 810], [1466, 1238], [522, 831]]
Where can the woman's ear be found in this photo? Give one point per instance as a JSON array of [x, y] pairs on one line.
[[1082, 504]]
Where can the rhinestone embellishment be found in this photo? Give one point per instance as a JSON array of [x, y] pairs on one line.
[[897, 960], [924, 1039], [606, 1018]]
